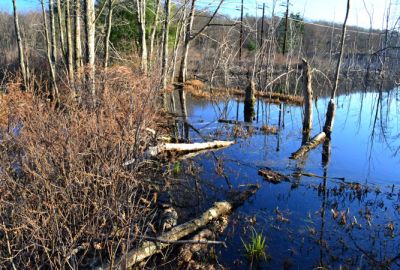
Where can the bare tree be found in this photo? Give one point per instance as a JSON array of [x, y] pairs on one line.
[[53, 33], [330, 114], [90, 44], [154, 31], [108, 33], [78, 41], [141, 11], [54, 90], [60, 26], [165, 45], [70, 51], [23, 68]]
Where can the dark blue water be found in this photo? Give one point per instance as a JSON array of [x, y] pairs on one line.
[[363, 150]]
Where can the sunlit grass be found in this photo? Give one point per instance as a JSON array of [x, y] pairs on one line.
[[255, 248]]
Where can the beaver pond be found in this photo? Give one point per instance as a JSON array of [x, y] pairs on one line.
[[339, 205]]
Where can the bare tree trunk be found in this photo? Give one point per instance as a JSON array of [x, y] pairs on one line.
[[308, 97], [330, 114], [90, 45], [108, 33], [70, 51], [186, 42], [21, 57], [61, 28], [165, 50], [78, 42], [54, 89], [53, 33], [189, 38], [178, 35], [141, 9], [153, 31]]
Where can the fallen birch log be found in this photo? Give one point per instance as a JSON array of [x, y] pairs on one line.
[[150, 248], [186, 147], [317, 140]]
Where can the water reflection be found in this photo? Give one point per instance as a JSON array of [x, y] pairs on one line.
[[335, 219]]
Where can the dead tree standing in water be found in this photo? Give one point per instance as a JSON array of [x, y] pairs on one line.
[[330, 113], [308, 101]]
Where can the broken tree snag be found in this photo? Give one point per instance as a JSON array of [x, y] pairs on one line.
[[330, 117], [308, 97], [149, 248], [317, 140], [249, 101], [186, 147]]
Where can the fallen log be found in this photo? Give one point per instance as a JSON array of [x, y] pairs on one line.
[[149, 248], [317, 140], [186, 147]]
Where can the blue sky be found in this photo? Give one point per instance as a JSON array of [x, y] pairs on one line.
[[328, 10]]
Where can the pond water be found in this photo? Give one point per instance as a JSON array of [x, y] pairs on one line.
[[308, 221]]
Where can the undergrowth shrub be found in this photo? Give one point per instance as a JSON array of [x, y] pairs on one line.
[[66, 200]]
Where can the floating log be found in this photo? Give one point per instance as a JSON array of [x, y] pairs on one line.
[[150, 248], [186, 147], [272, 176], [317, 140]]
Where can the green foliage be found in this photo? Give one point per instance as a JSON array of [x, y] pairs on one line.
[[125, 30], [177, 168], [295, 31], [252, 46], [255, 248]]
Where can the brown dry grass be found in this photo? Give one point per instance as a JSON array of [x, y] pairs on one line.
[[269, 129], [66, 200]]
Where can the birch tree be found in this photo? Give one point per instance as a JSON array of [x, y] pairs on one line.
[[90, 44], [154, 30], [141, 17], [77, 34], [22, 67], [70, 51]]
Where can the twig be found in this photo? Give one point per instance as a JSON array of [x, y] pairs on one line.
[[206, 242]]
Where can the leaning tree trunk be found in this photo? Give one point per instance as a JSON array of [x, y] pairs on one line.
[[108, 33], [21, 57], [54, 90], [330, 114], [90, 45]]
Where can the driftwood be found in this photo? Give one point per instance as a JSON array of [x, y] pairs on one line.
[[297, 174], [317, 140], [150, 248], [186, 147], [271, 176]]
